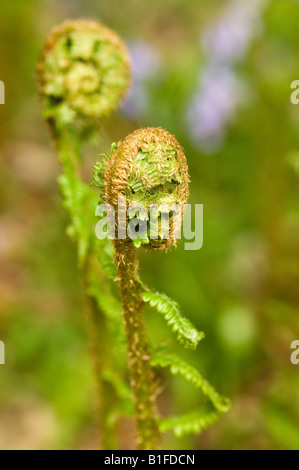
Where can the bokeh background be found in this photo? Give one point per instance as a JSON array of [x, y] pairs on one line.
[[218, 76]]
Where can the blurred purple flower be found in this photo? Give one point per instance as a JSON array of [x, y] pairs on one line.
[[146, 65], [220, 91], [136, 103], [229, 38], [146, 62], [213, 105]]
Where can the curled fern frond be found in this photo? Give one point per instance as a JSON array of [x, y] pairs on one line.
[[186, 333], [195, 421], [149, 168], [83, 73]]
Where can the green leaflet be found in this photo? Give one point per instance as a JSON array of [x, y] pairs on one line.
[[99, 169], [80, 202], [76, 199], [199, 419], [190, 423], [186, 333], [189, 373], [98, 175], [104, 252]]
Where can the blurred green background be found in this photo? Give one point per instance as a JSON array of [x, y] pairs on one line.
[[218, 76]]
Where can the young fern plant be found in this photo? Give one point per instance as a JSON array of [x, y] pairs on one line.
[[83, 72], [147, 175]]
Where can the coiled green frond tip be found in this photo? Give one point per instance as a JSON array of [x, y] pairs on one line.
[[83, 73], [150, 169]]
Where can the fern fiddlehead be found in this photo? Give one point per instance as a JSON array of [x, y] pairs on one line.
[[149, 169], [83, 72]]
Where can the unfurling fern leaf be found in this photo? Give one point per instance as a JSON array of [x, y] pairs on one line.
[[195, 421], [186, 333], [189, 373], [76, 198]]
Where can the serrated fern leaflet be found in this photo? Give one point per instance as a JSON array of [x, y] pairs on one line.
[[186, 333], [199, 419]]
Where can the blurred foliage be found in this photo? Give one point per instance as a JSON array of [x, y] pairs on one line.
[[241, 288]]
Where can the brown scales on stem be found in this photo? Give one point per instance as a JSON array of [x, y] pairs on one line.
[[139, 358]]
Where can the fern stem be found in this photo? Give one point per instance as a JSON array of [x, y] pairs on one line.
[[69, 151], [96, 323], [139, 358], [83, 73]]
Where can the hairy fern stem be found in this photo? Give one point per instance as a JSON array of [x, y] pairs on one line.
[[141, 372]]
